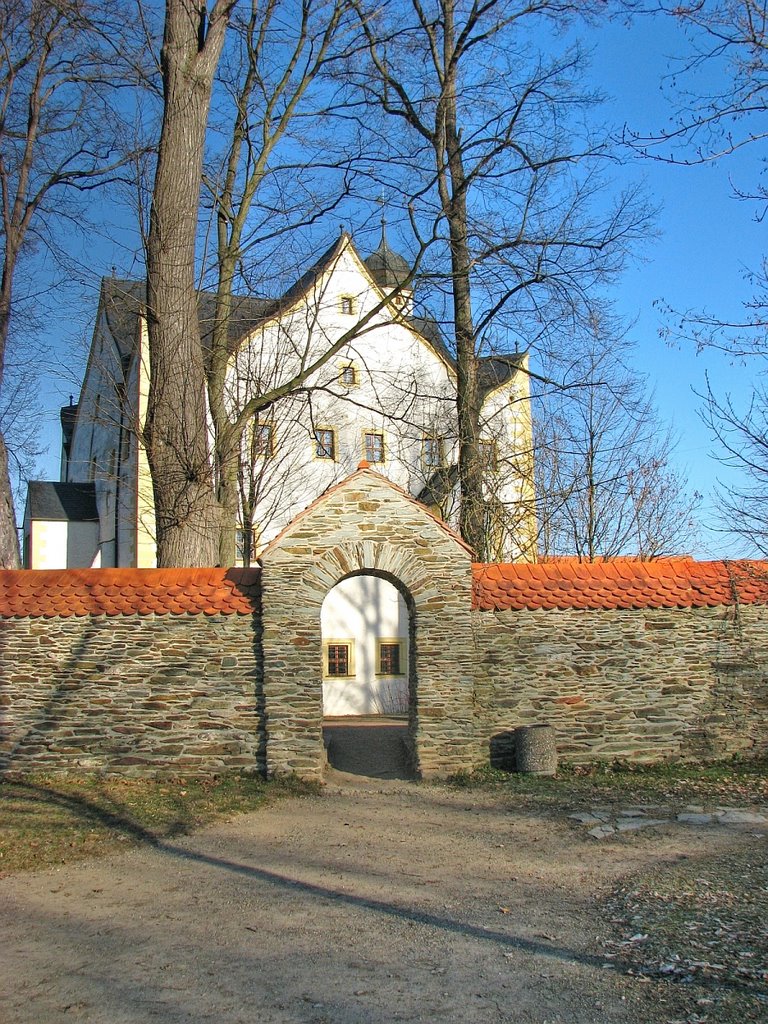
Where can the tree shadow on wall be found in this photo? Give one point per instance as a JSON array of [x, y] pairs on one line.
[[46, 717]]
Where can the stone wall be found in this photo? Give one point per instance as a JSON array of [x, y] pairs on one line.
[[642, 685], [151, 670], [131, 694]]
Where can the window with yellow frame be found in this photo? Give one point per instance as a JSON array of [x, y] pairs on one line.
[[348, 375], [390, 656], [325, 443], [373, 446], [338, 658]]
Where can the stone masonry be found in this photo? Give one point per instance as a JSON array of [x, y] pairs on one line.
[[641, 684], [130, 694], [206, 670]]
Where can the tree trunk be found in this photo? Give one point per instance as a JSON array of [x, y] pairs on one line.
[[471, 517], [176, 429], [9, 538], [228, 495]]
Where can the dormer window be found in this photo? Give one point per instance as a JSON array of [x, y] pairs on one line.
[[347, 305]]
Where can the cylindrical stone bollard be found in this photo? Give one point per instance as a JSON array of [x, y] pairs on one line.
[[535, 750]]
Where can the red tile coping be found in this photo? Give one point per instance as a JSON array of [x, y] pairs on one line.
[[565, 583], [618, 583], [53, 593]]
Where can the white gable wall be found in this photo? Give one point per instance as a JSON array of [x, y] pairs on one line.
[[403, 391], [57, 544]]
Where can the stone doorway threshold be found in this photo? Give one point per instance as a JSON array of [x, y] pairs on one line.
[[374, 746]]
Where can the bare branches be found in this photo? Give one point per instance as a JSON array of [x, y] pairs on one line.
[[605, 483], [728, 39], [741, 432], [60, 64]]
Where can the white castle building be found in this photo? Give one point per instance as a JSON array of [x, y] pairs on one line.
[[386, 397]]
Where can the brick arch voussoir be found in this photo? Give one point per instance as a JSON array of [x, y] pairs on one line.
[[351, 557]]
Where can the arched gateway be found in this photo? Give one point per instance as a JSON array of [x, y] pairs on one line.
[[367, 528]]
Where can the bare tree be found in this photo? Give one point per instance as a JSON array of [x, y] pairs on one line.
[[268, 77], [605, 485], [174, 430], [59, 135], [741, 430], [718, 91], [498, 157], [727, 50]]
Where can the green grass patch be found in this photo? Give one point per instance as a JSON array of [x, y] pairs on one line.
[[53, 819], [733, 783]]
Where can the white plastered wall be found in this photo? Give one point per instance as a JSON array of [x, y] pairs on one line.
[[403, 391], [57, 544], [360, 611]]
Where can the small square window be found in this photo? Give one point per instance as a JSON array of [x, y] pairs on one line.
[[433, 452], [338, 658], [325, 444], [263, 439], [347, 305], [374, 447], [389, 659], [348, 375]]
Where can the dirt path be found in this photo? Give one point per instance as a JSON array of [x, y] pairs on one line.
[[377, 903]]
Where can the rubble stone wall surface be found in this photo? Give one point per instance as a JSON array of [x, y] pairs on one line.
[[213, 670], [147, 694], [130, 694], [635, 684]]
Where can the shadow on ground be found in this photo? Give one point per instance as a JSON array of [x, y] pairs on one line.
[[374, 748]]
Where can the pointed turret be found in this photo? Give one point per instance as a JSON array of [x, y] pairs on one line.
[[389, 270]]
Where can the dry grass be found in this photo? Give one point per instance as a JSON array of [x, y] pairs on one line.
[[736, 783], [54, 819]]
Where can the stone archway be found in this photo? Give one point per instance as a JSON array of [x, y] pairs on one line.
[[367, 526], [365, 630]]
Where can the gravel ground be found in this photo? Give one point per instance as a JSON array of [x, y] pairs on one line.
[[369, 903]]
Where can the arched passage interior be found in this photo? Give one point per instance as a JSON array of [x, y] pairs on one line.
[[367, 653]]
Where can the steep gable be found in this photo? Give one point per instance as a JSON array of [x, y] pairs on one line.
[[362, 500]]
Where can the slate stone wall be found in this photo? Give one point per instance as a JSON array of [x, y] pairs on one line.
[[149, 694], [364, 525], [209, 693], [642, 685], [131, 694]]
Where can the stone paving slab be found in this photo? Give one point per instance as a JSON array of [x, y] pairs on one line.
[[632, 819]]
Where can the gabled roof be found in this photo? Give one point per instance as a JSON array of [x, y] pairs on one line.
[[363, 471], [59, 502], [618, 583], [123, 300], [63, 593]]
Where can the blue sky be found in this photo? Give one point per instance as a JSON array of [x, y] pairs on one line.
[[707, 239]]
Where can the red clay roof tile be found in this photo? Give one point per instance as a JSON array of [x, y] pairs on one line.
[[76, 592], [619, 583]]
